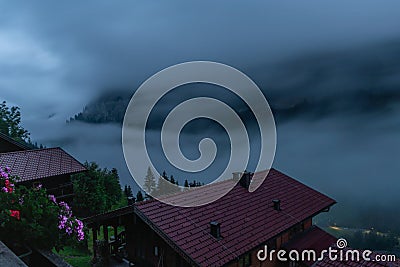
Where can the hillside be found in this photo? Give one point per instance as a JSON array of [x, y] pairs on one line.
[[107, 108], [350, 82]]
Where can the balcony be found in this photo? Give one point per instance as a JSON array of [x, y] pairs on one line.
[[62, 191]]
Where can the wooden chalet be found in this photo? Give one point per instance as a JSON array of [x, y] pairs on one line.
[[50, 167], [227, 232]]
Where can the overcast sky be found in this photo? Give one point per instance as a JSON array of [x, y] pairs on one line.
[[57, 56]]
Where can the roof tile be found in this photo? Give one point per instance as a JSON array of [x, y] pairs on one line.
[[247, 219], [36, 164]]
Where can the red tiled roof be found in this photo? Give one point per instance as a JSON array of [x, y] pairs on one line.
[[40, 163], [247, 219]]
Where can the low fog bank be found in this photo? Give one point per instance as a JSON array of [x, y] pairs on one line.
[[344, 156], [86, 142], [351, 159]]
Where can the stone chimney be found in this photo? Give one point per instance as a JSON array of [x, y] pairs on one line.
[[246, 179], [277, 204], [215, 229]]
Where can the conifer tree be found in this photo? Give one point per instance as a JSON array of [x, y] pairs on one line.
[[139, 196], [149, 182]]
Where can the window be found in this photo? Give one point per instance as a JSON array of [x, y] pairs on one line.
[[296, 229], [139, 251], [271, 244], [245, 261]]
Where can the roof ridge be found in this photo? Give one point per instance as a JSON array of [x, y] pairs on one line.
[[202, 187], [32, 150], [303, 184], [73, 158], [36, 164]]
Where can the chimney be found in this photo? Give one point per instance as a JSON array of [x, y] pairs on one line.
[[215, 229], [246, 179], [236, 176], [131, 200], [277, 204]]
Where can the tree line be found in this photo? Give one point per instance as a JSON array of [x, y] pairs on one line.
[[10, 125], [166, 184]]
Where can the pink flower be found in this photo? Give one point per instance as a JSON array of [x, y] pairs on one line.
[[62, 222], [53, 198], [81, 236], [68, 230]]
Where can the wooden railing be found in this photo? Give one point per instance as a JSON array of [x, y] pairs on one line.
[[62, 191], [117, 246]]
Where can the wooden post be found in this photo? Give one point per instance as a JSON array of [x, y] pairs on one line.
[[116, 242], [94, 231], [115, 232], [105, 234]]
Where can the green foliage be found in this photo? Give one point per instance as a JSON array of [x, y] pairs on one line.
[[128, 191], [39, 222], [75, 257], [96, 191], [10, 123], [29, 216]]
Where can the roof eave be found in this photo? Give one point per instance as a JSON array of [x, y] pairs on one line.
[[165, 237]]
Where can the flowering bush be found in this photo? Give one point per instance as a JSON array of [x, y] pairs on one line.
[[68, 223], [30, 216]]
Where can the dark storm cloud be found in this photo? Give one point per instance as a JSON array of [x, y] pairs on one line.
[[355, 81], [70, 52]]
